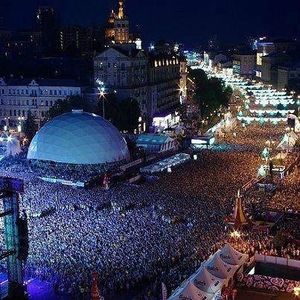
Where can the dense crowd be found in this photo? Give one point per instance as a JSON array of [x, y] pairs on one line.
[[70, 172], [130, 234]]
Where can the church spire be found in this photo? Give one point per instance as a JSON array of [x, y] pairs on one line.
[[121, 9]]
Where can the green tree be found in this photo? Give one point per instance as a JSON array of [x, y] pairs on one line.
[[124, 114], [29, 127], [64, 106], [210, 93], [130, 113]]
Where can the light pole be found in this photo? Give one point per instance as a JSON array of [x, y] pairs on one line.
[[102, 96], [101, 89]]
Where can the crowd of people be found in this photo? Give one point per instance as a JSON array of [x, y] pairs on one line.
[[82, 173], [137, 236]]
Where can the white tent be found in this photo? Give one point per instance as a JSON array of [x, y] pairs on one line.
[[190, 292], [232, 256], [217, 267], [288, 141], [207, 282]]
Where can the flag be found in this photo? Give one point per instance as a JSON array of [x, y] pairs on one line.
[[164, 292]]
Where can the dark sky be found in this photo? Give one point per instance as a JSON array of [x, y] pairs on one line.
[[189, 21]]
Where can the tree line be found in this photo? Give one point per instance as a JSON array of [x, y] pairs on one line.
[[124, 114]]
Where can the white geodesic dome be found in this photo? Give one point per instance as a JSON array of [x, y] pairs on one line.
[[78, 138]]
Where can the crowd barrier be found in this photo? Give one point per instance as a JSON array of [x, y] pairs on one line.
[[278, 261]]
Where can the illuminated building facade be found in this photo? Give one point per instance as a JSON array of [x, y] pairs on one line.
[[117, 30], [244, 64], [19, 96], [153, 80]]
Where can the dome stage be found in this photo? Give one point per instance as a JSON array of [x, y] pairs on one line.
[[78, 138]]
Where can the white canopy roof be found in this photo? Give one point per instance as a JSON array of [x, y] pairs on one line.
[[288, 141], [190, 292], [206, 281], [213, 274], [217, 267], [231, 256]]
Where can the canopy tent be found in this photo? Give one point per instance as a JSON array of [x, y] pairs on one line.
[[156, 142], [232, 256], [288, 141], [217, 267], [164, 164], [190, 292], [208, 281]]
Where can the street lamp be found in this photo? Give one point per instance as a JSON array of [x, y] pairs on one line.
[[297, 291], [102, 93]]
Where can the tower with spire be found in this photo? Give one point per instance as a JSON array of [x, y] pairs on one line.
[[121, 10], [117, 30]]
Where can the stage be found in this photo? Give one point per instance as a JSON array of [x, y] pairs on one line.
[[37, 289]]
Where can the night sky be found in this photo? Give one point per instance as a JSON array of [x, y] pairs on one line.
[[192, 22]]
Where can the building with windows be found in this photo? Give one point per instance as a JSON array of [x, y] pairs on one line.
[[76, 39], [183, 79], [164, 84], [289, 76], [47, 21], [244, 63], [153, 80], [156, 79], [117, 30], [124, 70], [18, 97]]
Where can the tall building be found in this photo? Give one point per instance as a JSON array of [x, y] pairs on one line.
[[244, 63], [124, 70], [76, 39], [155, 79], [48, 24], [183, 79], [46, 18], [117, 30]]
